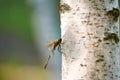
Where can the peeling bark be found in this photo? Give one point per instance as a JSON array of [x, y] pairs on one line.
[[90, 40]]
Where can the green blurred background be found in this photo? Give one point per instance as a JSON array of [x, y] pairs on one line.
[[25, 30]]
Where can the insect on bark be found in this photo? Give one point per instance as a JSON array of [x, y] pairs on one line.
[[53, 45]]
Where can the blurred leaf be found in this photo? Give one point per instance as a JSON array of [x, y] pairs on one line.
[[15, 17]]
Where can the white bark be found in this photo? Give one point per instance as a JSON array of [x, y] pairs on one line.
[[86, 53]]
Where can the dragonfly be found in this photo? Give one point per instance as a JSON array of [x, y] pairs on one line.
[[55, 44]]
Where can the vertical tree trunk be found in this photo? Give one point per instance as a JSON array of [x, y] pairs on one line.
[[90, 41]]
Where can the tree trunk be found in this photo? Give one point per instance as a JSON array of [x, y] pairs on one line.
[[90, 40]]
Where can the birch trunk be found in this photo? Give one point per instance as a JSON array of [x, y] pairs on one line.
[[90, 41]]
